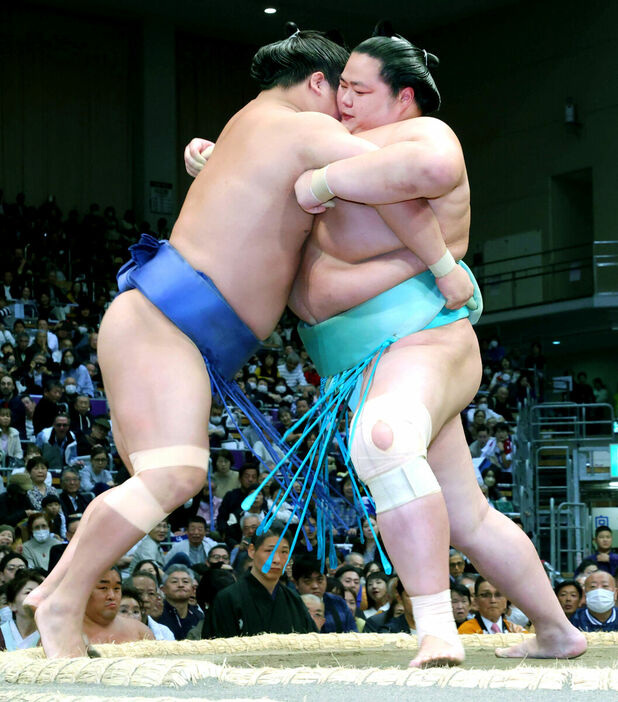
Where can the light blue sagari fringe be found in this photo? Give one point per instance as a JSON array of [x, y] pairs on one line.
[[324, 417]]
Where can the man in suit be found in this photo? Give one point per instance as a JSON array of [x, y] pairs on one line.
[[73, 501]]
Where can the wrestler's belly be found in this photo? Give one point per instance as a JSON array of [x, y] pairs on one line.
[[326, 286]]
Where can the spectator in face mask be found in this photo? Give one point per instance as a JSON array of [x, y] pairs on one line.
[[600, 612], [37, 548], [70, 367]]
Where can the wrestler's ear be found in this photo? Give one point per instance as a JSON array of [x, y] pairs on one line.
[[406, 96], [251, 551], [317, 82]]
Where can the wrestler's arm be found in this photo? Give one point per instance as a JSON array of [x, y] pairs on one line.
[[416, 226], [429, 164]]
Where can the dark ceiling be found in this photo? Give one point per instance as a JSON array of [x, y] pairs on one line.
[[245, 21]]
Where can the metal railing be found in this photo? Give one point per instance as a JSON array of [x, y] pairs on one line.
[[571, 421]]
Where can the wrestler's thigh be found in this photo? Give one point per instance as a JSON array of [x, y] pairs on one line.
[[442, 372], [450, 460], [154, 376]]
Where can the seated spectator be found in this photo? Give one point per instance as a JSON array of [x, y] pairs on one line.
[[36, 549], [178, 615], [217, 429], [54, 441], [72, 500], [315, 607], [505, 376], [240, 553], [489, 480], [56, 551], [390, 622], [291, 370], [369, 548], [150, 546], [378, 599], [81, 416], [570, 594], [145, 584], [258, 603], [101, 621], [601, 393], [350, 578], [599, 612], [357, 560], [20, 632], [70, 367], [232, 502], [10, 564], [308, 580], [37, 376], [213, 581], [350, 599], [584, 569], [461, 601], [491, 605], [96, 472], [51, 509], [195, 547], [28, 428], [268, 368], [131, 604], [10, 443], [97, 436], [456, 565], [152, 567], [37, 470], [603, 556], [482, 438], [218, 556], [10, 399], [15, 506], [346, 510], [223, 477], [582, 393], [7, 535]]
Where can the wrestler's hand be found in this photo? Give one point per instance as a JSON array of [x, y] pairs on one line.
[[306, 199], [456, 287], [194, 161]]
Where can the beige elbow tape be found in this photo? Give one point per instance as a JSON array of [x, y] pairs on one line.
[[319, 186], [169, 457], [444, 265]]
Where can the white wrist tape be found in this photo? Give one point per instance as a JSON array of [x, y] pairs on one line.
[[319, 186], [443, 266], [207, 153], [433, 615]]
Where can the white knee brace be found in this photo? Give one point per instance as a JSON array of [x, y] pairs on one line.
[[399, 474], [134, 501]]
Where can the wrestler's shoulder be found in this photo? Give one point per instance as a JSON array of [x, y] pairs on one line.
[[423, 128]]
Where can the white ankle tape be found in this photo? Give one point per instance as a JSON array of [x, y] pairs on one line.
[[170, 457], [134, 502], [433, 615]]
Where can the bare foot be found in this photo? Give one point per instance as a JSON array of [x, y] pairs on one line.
[[35, 598], [436, 652], [60, 627], [564, 643]]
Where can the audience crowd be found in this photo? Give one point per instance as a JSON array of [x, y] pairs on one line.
[[199, 573]]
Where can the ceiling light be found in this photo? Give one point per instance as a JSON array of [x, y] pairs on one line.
[[270, 10], [555, 343]]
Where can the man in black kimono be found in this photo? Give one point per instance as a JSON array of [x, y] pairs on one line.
[[258, 603]]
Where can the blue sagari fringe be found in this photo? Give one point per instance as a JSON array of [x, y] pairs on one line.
[[323, 417]]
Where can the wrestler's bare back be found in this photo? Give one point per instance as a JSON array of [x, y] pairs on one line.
[[352, 255]]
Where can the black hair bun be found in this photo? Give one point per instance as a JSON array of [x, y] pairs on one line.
[[290, 28], [384, 28], [432, 60]]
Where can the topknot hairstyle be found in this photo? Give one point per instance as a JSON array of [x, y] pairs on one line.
[[290, 61], [403, 65]]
